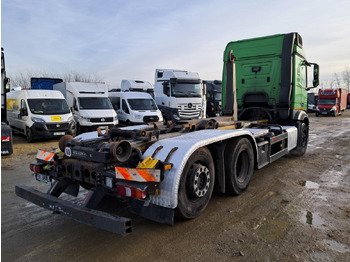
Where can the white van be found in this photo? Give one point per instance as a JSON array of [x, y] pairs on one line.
[[90, 105], [135, 107], [39, 114]]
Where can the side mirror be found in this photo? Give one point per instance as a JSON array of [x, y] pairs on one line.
[[316, 75], [23, 112], [7, 84]]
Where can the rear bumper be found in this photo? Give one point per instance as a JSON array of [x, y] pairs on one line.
[[98, 219]]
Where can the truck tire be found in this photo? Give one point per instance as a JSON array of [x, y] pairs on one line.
[[239, 165], [29, 135], [196, 184], [303, 137]]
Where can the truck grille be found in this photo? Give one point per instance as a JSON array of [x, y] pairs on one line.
[[57, 127], [147, 119], [189, 110], [101, 119]]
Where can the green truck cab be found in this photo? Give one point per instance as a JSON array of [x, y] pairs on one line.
[[270, 77]]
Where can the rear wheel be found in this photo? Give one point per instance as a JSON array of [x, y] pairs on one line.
[[239, 167], [196, 184]]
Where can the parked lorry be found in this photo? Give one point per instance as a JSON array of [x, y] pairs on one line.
[[213, 97], [6, 131], [163, 170], [137, 86], [45, 83], [90, 105], [331, 101], [179, 94], [135, 108], [39, 114]]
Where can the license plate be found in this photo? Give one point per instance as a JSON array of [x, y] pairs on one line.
[[59, 133], [324, 113], [43, 178], [103, 127]]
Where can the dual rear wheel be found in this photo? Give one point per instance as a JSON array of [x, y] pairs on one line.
[[198, 177]]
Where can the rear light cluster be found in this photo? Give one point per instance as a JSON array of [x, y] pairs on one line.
[[36, 167], [39, 167], [131, 192], [5, 139]]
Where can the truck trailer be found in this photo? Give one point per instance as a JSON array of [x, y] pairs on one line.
[[173, 169], [331, 101]]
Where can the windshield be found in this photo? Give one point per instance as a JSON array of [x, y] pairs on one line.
[[186, 90], [142, 104], [94, 103], [217, 96], [326, 102], [48, 106]]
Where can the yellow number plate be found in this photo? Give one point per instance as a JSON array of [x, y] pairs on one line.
[[55, 118]]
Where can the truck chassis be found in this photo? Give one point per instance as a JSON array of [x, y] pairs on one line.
[[161, 170]]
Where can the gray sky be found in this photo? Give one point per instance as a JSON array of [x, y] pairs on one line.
[[121, 39]]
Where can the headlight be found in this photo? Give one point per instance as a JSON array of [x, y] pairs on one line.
[[334, 108], [70, 119], [175, 116], [87, 119], [137, 116], [38, 120], [317, 108]]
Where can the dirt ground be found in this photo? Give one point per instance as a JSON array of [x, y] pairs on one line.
[[295, 209]]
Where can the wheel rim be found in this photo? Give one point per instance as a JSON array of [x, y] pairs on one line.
[[198, 181], [242, 167]]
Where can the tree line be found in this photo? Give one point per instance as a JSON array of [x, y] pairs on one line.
[[23, 79], [338, 80]]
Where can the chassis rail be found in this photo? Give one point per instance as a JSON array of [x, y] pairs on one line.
[[99, 219]]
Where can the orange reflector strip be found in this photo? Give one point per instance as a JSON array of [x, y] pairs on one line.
[[138, 174], [43, 155]]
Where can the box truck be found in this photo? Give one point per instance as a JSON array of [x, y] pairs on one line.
[[331, 101], [137, 86], [39, 114], [90, 105]]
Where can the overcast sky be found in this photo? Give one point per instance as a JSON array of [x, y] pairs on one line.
[[116, 39]]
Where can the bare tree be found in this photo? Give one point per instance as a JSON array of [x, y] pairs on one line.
[[336, 81], [22, 79], [346, 78]]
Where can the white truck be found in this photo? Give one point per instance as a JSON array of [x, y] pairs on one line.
[[90, 105], [39, 114], [137, 86], [179, 94], [135, 108]]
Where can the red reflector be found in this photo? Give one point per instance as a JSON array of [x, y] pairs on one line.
[[31, 166], [5, 139], [36, 168], [121, 190]]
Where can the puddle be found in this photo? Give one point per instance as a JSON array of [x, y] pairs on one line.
[[309, 184], [342, 248], [310, 218], [272, 230]]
